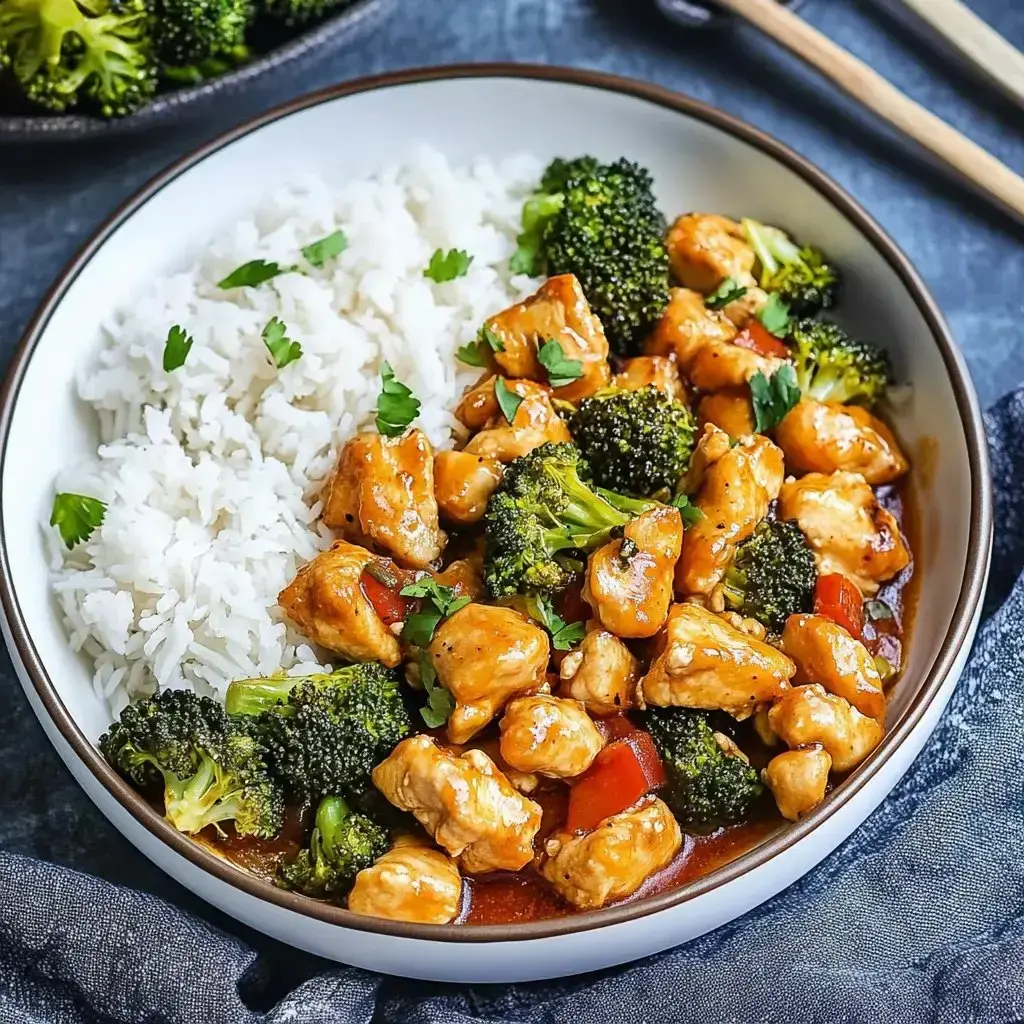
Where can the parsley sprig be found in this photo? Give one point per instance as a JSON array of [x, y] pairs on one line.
[[256, 272], [176, 348], [687, 510], [728, 291], [563, 634], [283, 350], [447, 266], [773, 397], [508, 400], [397, 406], [561, 370], [76, 517]]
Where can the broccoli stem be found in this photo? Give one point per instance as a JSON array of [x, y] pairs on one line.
[[200, 800], [330, 816], [254, 696]]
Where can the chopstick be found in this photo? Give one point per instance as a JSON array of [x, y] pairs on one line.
[[976, 166], [992, 56]]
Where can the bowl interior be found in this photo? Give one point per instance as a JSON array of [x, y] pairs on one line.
[[697, 165]]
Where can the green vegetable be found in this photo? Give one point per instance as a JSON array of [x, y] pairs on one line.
[[635, 442], [561, 370], [563, 635], [774, 316], [250, 274], [831, 366], [440, 703], [90, 55], [397, 406], [281, 348], [728, 291], [494, 342], [319, 252], [543, 517], [189, 32], [773, 397], [343, 843], [210, 767], [689, 512], [772, 575], [471, 354], [800, 277], [537, 212], [296, 13], [176, 348], [76, 516], [438, 603], [508, 400], [707, 787], [447, 266]]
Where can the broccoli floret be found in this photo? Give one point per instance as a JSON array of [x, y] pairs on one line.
[[833, 367], [325, 733], [600, 222], [635, 442], [773, 575], [71, 53], [707, 786], [211, 767], [302, 12], [544, 515], [190, 32], [342, 844], [800, 276]]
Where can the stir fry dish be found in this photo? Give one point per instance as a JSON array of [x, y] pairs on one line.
[[652, 596]]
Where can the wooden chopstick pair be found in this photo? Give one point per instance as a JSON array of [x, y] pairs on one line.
[[981, 45]]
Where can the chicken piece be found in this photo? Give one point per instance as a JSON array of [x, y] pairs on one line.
[[382, 496], [661, 371], [534, 424], [808, 714], [551, 736], [601, 673], [712, 445], [479, 406], [465, 576], [484, 656], [463, 801], [825, 653], [703, 662], [411, 882], [744, 309], [848, 530], [327, 604], [629, 581], [557, 311], [462, 484], [734, 497], [798, 779], [821, 438], [706, 248], [730, 410], [615, 859], [686, 326], [720, 364]]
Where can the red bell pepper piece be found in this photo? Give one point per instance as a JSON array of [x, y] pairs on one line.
[[838, 599], [390, 606], [756, 337]]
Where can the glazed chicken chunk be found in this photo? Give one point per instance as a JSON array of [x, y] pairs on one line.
[[463, 482], [535, 421], [704, 662], [382, 496], [706, 248], [730, 410], [687, 326], [551, 736], [798, 779], [641, 371], [463, 801], [558, 311], [615, 859], [485, 655], [734, 497], [411, 882], [849, 531], [822, 438], [327, 604], [825, 653], [629, 580], [601, 673], [808, 714]]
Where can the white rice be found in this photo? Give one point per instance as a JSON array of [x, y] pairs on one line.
[[211, 472]]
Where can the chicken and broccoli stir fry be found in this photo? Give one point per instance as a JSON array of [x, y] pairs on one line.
[[638, 603]]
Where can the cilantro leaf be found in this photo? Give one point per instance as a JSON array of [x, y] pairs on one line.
[[773, 397], [250, 274], [281, 348], [470, 354], [493, 339], [689, 512], [397, 406], [508, 400], [324, 249], [76, 516], [176, 348], [878, 610], [438, 603], [447, 266], [440, 703], [563, 634], [561, 371], [538, 210], [728, 291], [774, 316]]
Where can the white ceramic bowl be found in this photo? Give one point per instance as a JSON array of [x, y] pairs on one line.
[[701, 159]]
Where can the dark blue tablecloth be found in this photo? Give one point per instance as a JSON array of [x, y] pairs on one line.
[[917, 918]]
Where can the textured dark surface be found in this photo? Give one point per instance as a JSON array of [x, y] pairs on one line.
[[915, 918]]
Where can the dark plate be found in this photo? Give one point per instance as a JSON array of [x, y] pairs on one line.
[[334, 32]]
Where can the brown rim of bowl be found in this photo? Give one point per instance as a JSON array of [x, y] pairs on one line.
[[979, 544]]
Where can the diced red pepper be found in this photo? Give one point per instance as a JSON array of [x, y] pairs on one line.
[[616, 727], [838, 599], [390, 606], [756, 337], [622, 773]]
